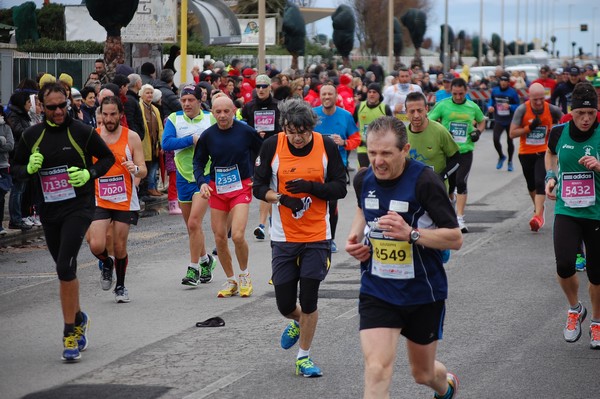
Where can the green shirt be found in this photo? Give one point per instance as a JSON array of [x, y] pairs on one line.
[[458, 119], [432, 146]]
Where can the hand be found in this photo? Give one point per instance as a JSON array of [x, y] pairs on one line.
[[550, 184], [475, 135], [295, 204], [491, 110], [77, 176], [298, 186], [535, 123], [205, 191], [590, 163], [394, 226], [35, 162], [359, 251]]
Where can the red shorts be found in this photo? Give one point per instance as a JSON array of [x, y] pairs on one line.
[[226, 202]]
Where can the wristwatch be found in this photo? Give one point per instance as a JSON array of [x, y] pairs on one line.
[[278, 197], [414, 236]]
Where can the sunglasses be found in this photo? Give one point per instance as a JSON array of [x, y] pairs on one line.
[[53, 107], [262, 86]]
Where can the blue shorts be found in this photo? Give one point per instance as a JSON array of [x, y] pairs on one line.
[[185, 189]]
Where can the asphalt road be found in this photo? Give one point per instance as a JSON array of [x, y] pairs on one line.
[[502, 336]]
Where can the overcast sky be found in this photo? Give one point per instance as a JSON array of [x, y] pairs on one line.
[[543, 18]]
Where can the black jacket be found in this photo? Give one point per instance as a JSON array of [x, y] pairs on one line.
[[133, 113]]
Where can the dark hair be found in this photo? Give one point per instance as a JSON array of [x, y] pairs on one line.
[[99, 60], [415, 96], [19, 99], [54, 87], [166, 75], [386, 124], [282, 92], [112, 100], [297, 113], [584, 94], [120, 80], [28, 84], [458, 82], [87, 90], [148, 68]]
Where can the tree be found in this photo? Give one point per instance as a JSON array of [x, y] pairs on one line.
[[343, 32], [460, 45], [251, 7], [416, 22], [398, 44], [26, 22], [51, 20], [496, 42], [112, 15], [484, 49], [450, 43], [294, 32]]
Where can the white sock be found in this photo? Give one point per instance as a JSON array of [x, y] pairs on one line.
[[193, 266], [244, 273], [303, 353], [204, 259]]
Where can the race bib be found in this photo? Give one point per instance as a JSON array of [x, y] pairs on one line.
[[55, 184], [502, 107], [264, 120], [227, 179], [392, 259], [112, 188], [537, 136], [459, 131], [578, 190]]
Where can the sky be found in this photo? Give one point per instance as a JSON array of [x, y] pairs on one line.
[[536, 18]]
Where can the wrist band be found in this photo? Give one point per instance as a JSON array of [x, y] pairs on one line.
[[550, 175]]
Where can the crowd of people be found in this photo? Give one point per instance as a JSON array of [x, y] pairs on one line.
[[82, 162]]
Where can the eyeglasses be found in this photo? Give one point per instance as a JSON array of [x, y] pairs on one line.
[[262, 86], [299, 133], [53, 107]]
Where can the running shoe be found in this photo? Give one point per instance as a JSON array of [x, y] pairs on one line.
[[28, 221], [307, 368], [3, 232], [19, 226], [230, 289], [192, 277], [509, 167], [71, 350], [206, 270], [536, 223], [259, 232], [290, 335], [333, 247], [595, 335], [35, 219], [500, 162], [580, 263], [121, 294], [107, 274], [452, 388], [572, 331], [461, 224], [81, 332], [245, 286]]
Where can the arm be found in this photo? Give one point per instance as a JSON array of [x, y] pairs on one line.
[[551, 164], [353, 141], [354, 243], [7, 142], [261, 189], [200, 160], [137, 167], [105, 157], [515, 126], [170, 141], [491, 102]]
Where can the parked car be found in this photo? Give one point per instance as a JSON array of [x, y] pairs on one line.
[[531, 70]]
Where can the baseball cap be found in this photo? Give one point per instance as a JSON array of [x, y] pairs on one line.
[[574, 70], [263, 80], [505, 77], [448, 77]]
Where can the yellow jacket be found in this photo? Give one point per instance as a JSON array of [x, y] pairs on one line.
[[147, 143]]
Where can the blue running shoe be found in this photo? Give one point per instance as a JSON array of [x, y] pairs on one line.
[[510, 167], [290, 335], [580, 263], [100, 264], [307, 368], [333, 247], [71, 351], [81, 332], [500, 162]]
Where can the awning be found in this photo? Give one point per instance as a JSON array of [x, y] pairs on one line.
[[219, 24], [312, 14]]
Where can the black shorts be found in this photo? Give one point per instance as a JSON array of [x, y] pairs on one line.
[[127, 217], [421, 324], [294, 260]]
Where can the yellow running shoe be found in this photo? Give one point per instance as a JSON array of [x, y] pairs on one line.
[[245, 286], [231, 289]]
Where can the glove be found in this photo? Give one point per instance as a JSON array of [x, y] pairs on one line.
[[295, 204], [475, 135], [298, 186], [77, 176], [306, 201], [35, 162], [535, 123]]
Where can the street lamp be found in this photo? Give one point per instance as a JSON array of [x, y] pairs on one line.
[[597, 50], [573, 44]]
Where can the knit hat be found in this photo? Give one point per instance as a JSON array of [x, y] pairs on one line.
[[584, 96], [123, 69], [147, 68], [377, 88], [248, 72], [76, 94], [46, 78], [263, 80], [345, 79], [156, 96], [66, 78]]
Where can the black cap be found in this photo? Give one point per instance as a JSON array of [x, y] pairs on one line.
[[147, 68], [505, 77], [448, 77], [574, 70], [377, 88]]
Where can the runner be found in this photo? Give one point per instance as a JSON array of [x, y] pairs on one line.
[[403, 221], [299, 172], [503, 102], [181, 134], [573, 180], [395, 95], [532, 122], [229, 144], [117, 203], [58, 154]]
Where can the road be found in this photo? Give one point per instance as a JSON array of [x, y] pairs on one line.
[[502, 336]]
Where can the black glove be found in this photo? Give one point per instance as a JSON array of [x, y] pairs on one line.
[[475, 135], [535, 123], [295, 204], [298, 186]]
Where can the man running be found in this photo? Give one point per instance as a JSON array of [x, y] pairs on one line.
[[58, 154], [181, 134], [229, 144], [299, 172], [573, 180], [403, 221], [116, 196], [503, 102], [395, 95], [532, 123]]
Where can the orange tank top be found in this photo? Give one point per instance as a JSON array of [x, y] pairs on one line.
[[115, 190], [314, 224], [537, 140]]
